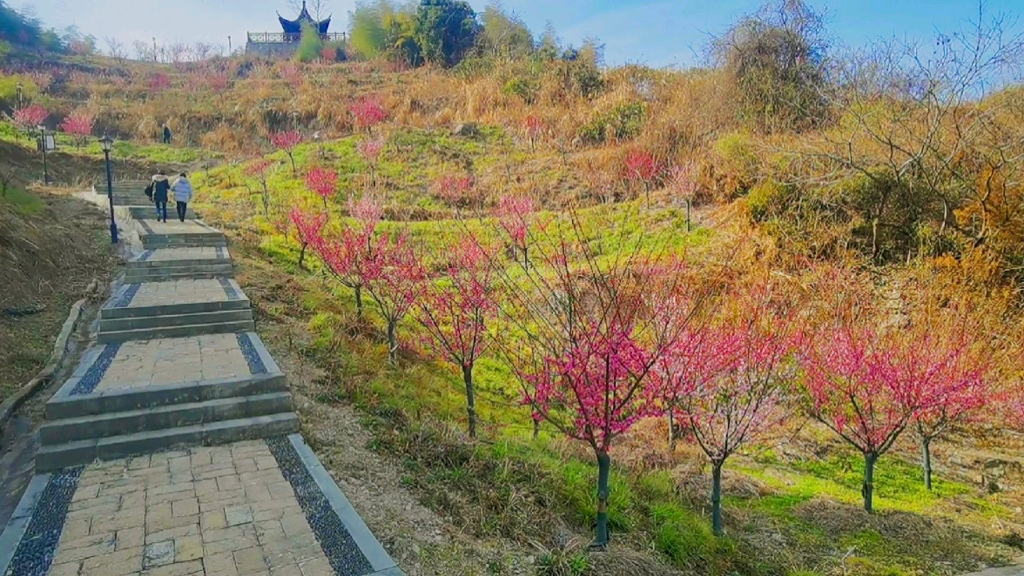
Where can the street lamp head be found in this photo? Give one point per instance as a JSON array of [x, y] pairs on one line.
[[107, 142]]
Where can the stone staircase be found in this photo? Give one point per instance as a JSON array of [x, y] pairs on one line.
[[176, 363], [131, 195]]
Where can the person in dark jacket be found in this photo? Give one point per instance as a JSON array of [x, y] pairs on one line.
[[167, 134], [161, 186]]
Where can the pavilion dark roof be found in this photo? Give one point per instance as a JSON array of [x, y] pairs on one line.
[[295, 26]]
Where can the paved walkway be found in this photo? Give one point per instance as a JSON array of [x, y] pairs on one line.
[[177, 456]]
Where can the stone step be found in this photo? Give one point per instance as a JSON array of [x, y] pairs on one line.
[[175, 331], [122, 400], [172, 276], [109, 312], [55, 457], [175, 415], [184, 261], [148, 211], [171, 321], [207, 271], [159, 241]]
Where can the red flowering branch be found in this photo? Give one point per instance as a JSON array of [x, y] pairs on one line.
[[351, 256], [308, 229], [455, 190], [456, 310], [535, 128], [515, 215], [367, 113], [287, 141], [642, 166], [159, 82], [393, 278], [370, 149], [31, 116], [323, 182], [583, 337], [725, 380], [79, 125]]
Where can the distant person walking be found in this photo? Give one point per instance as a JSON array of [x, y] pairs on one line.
[[182, 189], [161, 185], [167, 134]]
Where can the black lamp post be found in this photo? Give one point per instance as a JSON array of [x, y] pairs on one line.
[[108, 144]]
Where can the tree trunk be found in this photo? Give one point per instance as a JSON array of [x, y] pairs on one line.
[[687, 216], [536, 428], [604, 466], [467, 377], [359, 301], [671, 432], [868, 489], [302, 256], [926, 461], [295, 171], [716, 498], [392, 343]]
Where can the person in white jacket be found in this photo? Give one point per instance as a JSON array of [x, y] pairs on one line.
[[182, 189]]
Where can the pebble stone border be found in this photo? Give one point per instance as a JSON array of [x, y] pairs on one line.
[[146, 256], [127, 296], [145, 227], [95, 373], [341, 550], [39, 543], [252, 356], [222, 253], [229, 289]]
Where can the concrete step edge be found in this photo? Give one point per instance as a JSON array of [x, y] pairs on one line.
[[174, 321], [55, 457], [175, 331], [150, 419], [242, 303], [63, 405]]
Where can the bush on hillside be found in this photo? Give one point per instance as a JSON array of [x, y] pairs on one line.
[[621, 122], [446, 30], [504, 35], [310, 45], [777, 60]]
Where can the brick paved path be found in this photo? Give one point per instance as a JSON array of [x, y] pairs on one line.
[[177, 455]]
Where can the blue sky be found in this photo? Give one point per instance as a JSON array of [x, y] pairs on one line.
[[655, 33]]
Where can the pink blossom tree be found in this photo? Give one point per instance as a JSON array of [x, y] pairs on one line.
[[455, 190], [941, 362], [726, 381], [854, 390], [370, 149], [30, 117], [260, 171], [393, 278], [308, 228], [515, 215], [350, 257], [79, 125], [456, 311], [534, 126], [583, 339], [367, 113], [287, 141], [159, 82], [323, 182], [682, 182], [643, 167]]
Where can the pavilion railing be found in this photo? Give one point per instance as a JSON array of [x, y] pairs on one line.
[[284, 38]]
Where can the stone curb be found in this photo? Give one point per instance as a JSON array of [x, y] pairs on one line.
[[379, 559], [45, 376], [15, 529]]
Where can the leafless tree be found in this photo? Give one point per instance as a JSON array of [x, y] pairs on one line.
[[920, 129], [143, 51], [316, 8], [116, 48]]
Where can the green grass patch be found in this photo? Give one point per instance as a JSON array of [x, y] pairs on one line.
[[22, 201]]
